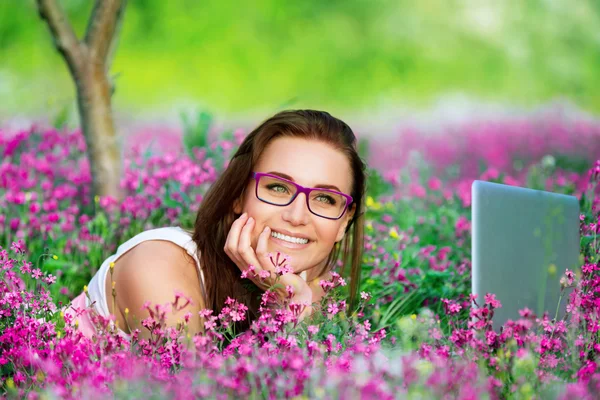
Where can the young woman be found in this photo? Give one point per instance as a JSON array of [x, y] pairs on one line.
[[295, 186]]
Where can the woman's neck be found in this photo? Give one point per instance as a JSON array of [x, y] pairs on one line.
[[314, 272]]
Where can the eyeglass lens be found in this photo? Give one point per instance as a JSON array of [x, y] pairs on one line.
[[320, 202]]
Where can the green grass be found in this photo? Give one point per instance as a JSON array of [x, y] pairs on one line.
[[338, 54]]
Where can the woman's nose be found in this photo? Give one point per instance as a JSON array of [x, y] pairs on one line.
[[297, 212]]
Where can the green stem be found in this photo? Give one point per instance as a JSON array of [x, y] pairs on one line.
[[394, 307], [558, 305]]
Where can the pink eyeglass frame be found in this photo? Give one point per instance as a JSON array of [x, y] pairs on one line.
[[301, 189]]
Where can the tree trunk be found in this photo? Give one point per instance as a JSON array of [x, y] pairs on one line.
[[97, 125], [89, 61]]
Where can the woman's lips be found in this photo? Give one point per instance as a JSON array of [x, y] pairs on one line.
[[290, 245]]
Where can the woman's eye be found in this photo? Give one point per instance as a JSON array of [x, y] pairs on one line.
[[323, 198], [278, 188]]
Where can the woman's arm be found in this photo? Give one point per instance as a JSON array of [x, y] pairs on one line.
[[317, 290], [153, 272], [316, 294]]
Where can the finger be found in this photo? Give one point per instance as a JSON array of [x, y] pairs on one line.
[[235, 230], [256, 258], [233, 237], [245, 236], [244, 249], [261, 245]]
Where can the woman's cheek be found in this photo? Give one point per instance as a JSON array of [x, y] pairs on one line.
[[329, 235]]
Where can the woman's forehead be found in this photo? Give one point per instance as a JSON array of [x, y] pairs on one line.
[[308, 162]]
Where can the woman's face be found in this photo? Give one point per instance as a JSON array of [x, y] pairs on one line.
[[309, 163]]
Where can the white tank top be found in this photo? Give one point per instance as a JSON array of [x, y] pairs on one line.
[[96, 287]]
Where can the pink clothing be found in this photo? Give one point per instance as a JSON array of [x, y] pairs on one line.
[[96, 287], [76, 311]]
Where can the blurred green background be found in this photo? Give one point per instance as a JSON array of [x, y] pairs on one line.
[[340, 55]]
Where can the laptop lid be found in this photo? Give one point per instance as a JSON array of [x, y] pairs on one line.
[[522, 242]]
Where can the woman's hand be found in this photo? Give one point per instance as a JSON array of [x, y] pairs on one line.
[[238, 247]]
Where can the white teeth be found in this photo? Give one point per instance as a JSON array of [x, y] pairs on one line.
[[287, 238]]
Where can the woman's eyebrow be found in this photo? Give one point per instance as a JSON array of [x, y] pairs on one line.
[[320, 186]]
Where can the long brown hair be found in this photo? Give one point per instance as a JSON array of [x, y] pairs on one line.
[[215, 215]]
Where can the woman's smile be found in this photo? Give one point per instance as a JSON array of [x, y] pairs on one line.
[[290, 241]]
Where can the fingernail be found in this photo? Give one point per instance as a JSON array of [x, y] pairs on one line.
[[244, 215]]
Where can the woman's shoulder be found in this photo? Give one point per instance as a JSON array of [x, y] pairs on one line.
[[167, 241], [156, 253], [154, 272], [155, 257], [173, 234], [155, 266]]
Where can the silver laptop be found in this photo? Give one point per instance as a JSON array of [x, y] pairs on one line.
[[522, 242]]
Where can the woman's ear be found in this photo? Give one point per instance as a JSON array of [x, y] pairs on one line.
[[237, 205], [347, 218]]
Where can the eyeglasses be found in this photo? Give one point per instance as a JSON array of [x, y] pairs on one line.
[[277, 191]]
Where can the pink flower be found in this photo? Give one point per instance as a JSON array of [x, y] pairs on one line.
[[283, 269], [313, 329], [326, 285], [434, 183], [525, 313], [490, 174], [14, 224], [490, 337], [236, 315], [451, 306], [332, 309], [264, 274], [462, 226], [454, 308], [250, 272], [25, 268], [367, 325], [297, 308], [417, 191], [18, 247], [289, 290], [210, 324], [490, 299], [586, 371]]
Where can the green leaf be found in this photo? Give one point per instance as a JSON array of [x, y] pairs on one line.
[[195, 133], [61, 119]]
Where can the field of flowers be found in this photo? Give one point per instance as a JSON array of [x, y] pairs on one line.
[[410, 335]]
